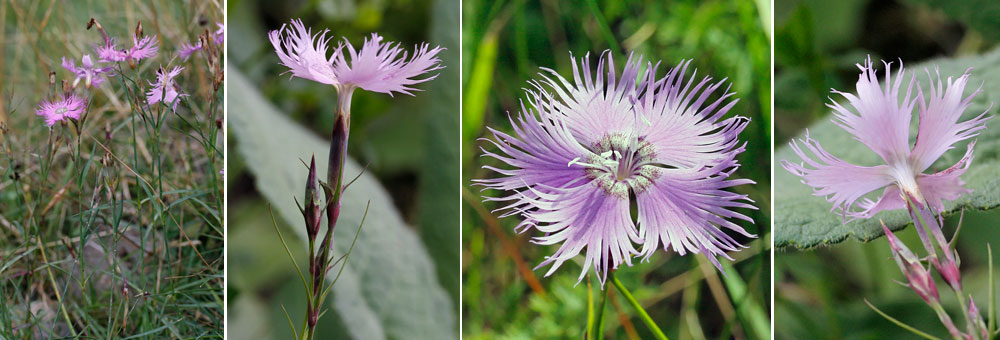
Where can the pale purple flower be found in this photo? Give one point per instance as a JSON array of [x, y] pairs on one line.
[[188, 49], [91, 73], [165, 89], [220, 34], [141, 49], [881, 122], [581, 149], [68, 106], [376, 66]]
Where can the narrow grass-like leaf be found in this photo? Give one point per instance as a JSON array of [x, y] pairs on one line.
[[900, 323]]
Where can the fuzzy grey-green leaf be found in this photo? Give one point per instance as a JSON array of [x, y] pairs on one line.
[[803, 220]]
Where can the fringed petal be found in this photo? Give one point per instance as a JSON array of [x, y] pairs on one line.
[[939, 128], [882, 123], [686, 209], [841, 183], [384, 67]]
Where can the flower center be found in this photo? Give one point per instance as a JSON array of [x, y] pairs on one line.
[[61, 111], [906, 179], [620, 163]]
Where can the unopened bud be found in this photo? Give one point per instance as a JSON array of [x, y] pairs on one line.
[[338, 150], [138, 30], [918, 278], [976, 323], [922, 282], [313, 316], [312, 212], [93, 23], [949, 272], [52, 78]]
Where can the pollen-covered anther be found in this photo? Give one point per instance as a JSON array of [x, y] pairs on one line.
[[622, 163]]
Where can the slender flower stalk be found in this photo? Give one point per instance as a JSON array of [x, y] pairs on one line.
[[881, 121], [377, 67]]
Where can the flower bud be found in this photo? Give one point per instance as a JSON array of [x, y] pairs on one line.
[[922, 282], [312, 315], [950, 272], [312, 211], [338, 152], [138, 30], [976, 323], [918, 278], [92, 23]]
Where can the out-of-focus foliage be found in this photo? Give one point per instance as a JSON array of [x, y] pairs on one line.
[[410, 145], [505, 43], [820, 293]]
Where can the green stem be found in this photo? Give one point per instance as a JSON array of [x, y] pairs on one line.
[[900, 323], [635, 304], [598, 331], [590, 310], [965, 308]]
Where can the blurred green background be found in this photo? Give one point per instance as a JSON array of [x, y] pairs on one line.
[[410, 145], [820, 292], [504, 44]]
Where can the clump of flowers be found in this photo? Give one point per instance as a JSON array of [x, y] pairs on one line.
[[377, 67], [881, 121], [143, 47], [582, 149], [90, 208]]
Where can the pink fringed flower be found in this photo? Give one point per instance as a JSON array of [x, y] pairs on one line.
[[220, 34], [882, 123], [188, 49], [89, 72], [141, 49], [582, 149], [377, 67], [165, 89], [69, 106]]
